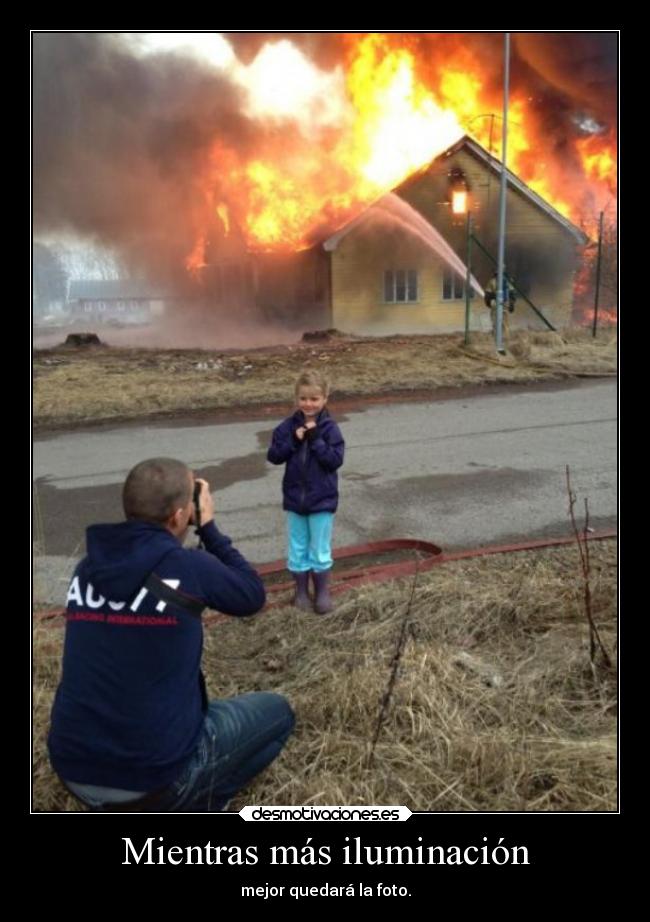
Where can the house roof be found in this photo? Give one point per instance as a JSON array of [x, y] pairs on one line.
[[492, 163], [114, 289]]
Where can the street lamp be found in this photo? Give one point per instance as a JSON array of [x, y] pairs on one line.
[[459, 191], [459, 201]]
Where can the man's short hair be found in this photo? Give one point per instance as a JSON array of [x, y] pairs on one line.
[[155, 489]]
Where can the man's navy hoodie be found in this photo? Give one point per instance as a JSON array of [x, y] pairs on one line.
[[130, 706]]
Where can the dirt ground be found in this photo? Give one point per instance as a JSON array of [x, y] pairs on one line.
[[75, 386]]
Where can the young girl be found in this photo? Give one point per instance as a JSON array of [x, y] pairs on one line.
[[311, 445]]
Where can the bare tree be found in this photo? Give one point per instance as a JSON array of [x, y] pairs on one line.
[[582, 541], [587, 270], [49, 278]]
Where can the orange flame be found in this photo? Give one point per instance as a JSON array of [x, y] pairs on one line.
[[605, 318], [396, 122], [224, 216], [599, 160], [196, 259], [399, 125]]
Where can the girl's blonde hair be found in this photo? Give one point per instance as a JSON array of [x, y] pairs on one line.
[[310, 377]]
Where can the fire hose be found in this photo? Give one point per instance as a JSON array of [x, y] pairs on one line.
[[426, 556]]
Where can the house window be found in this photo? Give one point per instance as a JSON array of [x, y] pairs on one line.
[[400, 286], [453, 286]]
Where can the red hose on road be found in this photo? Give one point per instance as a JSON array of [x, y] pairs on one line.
[[429, 556], [435, 556]]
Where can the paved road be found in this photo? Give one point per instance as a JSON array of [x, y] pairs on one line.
[[461, 472]]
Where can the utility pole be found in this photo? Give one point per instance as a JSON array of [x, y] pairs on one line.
[[487, 207], [502, 197], [468, 277], [598, 263]]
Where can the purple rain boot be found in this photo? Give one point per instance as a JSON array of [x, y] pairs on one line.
[[323, 603], [301, 599]]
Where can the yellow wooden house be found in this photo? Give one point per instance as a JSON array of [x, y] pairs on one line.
[[401, 265]]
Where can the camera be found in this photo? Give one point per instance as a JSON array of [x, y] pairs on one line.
[[197, 503]]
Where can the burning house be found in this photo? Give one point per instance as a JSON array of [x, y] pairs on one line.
[[253, 181], [400, 266]]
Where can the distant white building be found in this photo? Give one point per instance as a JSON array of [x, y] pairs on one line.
[[128, 301]]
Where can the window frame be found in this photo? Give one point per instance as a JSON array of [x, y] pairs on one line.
[[450, 279], [410, 282]]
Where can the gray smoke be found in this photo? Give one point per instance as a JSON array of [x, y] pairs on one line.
[[118, 142]]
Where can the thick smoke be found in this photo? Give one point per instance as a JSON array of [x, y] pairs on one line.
[[581, 65], [119, 141]]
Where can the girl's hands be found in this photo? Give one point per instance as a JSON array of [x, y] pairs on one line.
[[302, 431]]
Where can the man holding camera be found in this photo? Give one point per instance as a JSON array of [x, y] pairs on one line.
[[132, 728]]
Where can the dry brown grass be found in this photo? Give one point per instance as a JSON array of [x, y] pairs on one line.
[[73, 386], [495, 707]]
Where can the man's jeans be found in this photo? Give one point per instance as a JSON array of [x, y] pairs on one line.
[[241, 736]]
